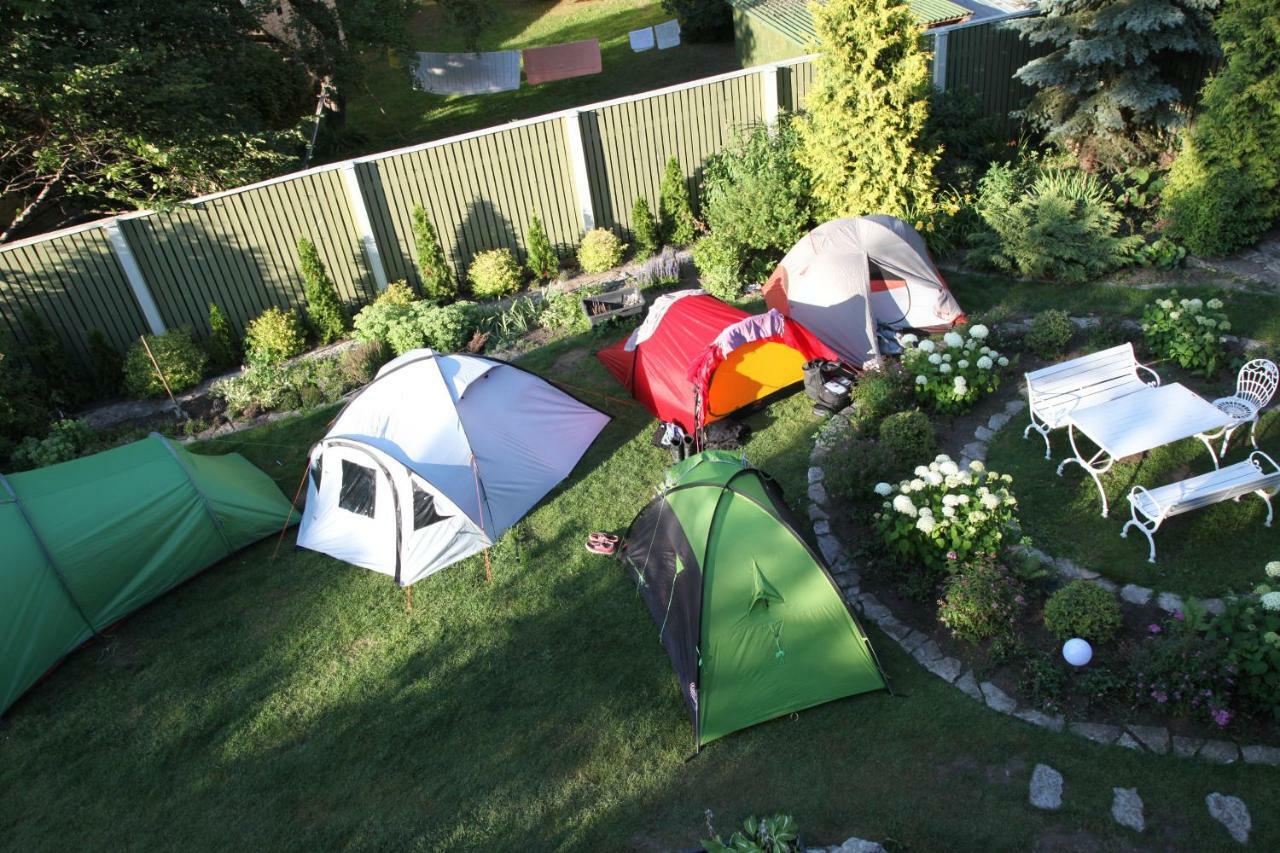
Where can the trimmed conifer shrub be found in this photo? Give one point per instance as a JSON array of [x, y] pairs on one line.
[[674, 207], [437, 277], [325, 312], [543, 262], [644, 228]]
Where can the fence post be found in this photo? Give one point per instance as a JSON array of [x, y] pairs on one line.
[[940, 61], [769, 94], [133, 274], [364, 226], [578, 164]]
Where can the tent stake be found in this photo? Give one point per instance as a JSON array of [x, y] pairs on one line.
[[488, 572], [285, 526], [408, 599]]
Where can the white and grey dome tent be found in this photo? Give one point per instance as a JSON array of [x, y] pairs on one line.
[[436, 458]]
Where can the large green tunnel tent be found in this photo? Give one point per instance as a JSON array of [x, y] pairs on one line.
[[87, 542]]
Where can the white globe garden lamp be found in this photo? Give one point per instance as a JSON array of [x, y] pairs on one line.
[[1077, 652]]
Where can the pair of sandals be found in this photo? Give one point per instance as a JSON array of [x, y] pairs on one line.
[[605, 544]]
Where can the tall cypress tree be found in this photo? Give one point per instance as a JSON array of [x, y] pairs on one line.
[[863, 135], [1108, 91]]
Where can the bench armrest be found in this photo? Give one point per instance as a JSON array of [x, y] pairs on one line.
[[1156, 376], [1257, 457]]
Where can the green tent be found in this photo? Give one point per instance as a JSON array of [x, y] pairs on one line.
[[749, 614], [88, 542]]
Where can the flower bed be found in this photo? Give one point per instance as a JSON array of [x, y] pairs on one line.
[[953, 371]]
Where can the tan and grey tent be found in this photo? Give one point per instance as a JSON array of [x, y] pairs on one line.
[[849, 277]]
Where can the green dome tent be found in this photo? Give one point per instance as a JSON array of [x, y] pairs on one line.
[[88, 542], [751, 618]]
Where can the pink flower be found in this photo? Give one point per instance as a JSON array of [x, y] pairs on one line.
[[1177, 614], [952, 555], [1153, 628], [1222, 716]]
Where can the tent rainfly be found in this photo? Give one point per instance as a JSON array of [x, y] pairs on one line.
[[848, 277], [696, 359], [435, 458], [89, 541], [753, 623]]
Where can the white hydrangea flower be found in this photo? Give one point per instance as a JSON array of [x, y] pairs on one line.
[[978, 516], [1195, 304], [933, 478], [949, 511], [946, 356], [950, 500], [908, 340], [917, 484], [953, 339], [1224, 326], [984, 363], [933, 466], [985, 350], [980, 332], [1167, 303], [922, 380], [1214, 304], [927, 346], [925, 524], [924, 510], [1273, 569], [1174, 315], [935, 359], [884, 490], [1002, 361], [903, 504], [920, 471], [991, 501], [976, 466], [964, 499], [1271, 600], [962, 363], [944, 367], [949, 468], [970, 345]]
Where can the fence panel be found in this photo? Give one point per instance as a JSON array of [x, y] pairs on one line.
[[795, 84], [627, 144], [75, 285], [982, 59], [240, 250]]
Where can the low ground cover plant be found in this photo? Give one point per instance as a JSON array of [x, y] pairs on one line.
[[952, 372], [67, 439], [982, 601], [1187, 331]]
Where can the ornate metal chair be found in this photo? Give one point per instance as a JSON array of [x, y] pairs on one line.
[[1255, 386]]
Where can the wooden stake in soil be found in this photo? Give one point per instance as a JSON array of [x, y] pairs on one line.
[[165, 382], [408, 599]]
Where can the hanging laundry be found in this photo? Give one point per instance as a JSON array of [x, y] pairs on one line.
[[562, 61], [467, 73], [668, 34], [641, 40]]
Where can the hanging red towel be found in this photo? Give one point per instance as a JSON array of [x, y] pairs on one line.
[[561, 61]]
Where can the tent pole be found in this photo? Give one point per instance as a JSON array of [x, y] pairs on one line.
[[297, 492]]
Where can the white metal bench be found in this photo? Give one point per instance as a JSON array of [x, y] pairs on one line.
[[1054, 392], [1258, 475]]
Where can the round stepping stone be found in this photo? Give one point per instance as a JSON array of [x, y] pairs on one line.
[[1045, 791], [1232, 813], [1126, 808]]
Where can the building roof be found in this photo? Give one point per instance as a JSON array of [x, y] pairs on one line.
[[792, 18]]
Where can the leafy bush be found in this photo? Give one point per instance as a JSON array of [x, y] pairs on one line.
[[284, 387], [1050, 333], [24, 407], [777, 834], [45, 355], [563, 312], [967, 138], [1082, 609], [675, 210], [325, 312], [982, 601], [945, 515], [644, 228], [434, 272], [107, 364], [494, 274], [221, 344], [361, 363], [1049, 223], [397, 293], [882, 391], [953, 372], [600, 250], [719, 266], [853, 469], [443, 328], [178, 357], [274, 336], [908, 436], [1043, 681], [67, 439], [542, 261], [1188, 332], [659, 270], [1178, 669], [1249, 630]]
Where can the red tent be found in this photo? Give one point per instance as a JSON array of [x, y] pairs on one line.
[[696, 359]]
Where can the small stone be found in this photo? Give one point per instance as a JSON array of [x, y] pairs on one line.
[[1220, 752], [817, 493], [830, 547], [858, 845], [975, 450], [895, 629], [1154, 738], [1014, 406], [997, 421], [816, 474], [874, 610], [817, 513], [1232, 813], [969, 685], [1128, 741], [1216, 606], [927, 651], [1109, 586], [1054, 722], [1185, 747], [1084, 322], [997, 699], [1135, 594], [822, 527], [945, 668], [851, 594], [1045, 791], [1169, 602], [1096, 732], [1068, 569], [1126, 808], [914, 640], [1261, 755], [982, 433]]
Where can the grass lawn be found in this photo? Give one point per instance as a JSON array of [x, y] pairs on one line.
[[388, 112], [294, 704]]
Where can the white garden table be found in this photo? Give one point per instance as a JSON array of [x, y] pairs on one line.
[[1138, 422]]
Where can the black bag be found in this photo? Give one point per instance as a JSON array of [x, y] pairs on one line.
[[827, 384], [724, 434]]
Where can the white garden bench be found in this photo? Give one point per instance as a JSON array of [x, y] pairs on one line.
[[1054, 392], [1150, 507]]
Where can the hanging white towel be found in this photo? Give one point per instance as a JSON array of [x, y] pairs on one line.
[[641, 40], [468, 73], [668, 34]]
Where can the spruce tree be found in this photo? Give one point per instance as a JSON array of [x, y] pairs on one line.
[[674, 207], [1107, 91], [644, 228], [221, 344], [1224, 188], [862, 137], [325, 312], [542, 261], [437, 278]]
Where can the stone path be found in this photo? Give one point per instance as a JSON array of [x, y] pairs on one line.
[[1260, 263]]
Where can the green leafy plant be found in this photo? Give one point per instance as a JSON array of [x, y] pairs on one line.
[[1249, 629], [776, 834], [221, 343], [434, 271], [108, 364], [443, 328], [600, 250], [360, 363], [945, 515], [1188, 331], [675, 210], [45, 354], [1043, 681], [853, 469], [644, 228], [542, 261], [285, 387], [1177, 668], [981, 601], [67, 439], [563, 311], [494, 274], [273, 336], [178, 356], [510, 324], [1050, 332], [24, 405], [397, 293], [1082, 609], [719, 266], [880, 392], [702, 20], [954, 371], [908, 436], [325, 312]]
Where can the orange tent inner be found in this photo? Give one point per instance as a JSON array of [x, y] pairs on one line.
[[752, 372]]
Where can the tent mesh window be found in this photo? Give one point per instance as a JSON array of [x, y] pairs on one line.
[[424, 509], [359, 489]]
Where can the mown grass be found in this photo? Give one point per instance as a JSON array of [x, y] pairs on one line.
[[294, 704], [387, 112]]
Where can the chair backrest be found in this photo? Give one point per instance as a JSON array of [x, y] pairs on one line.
[[1257, 381], [1097, 368]]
